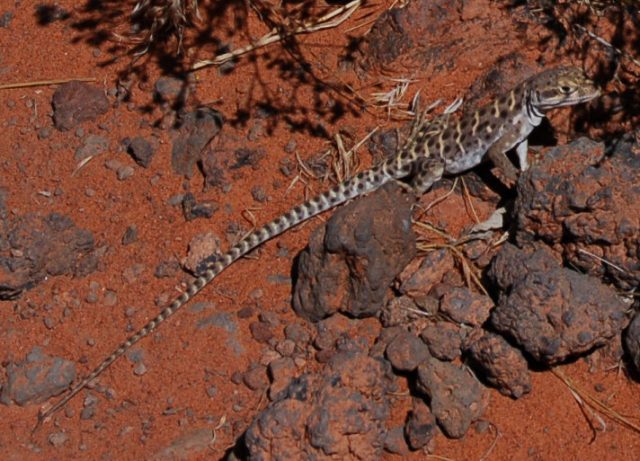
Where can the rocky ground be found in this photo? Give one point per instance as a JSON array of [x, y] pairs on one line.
[[357, 335]]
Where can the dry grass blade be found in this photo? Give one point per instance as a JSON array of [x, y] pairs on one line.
[[467, 200], [470, 273], [82, 164], [608, 45], [347, 162], [493, 444], [594, 403], [329, 20], [10, 86], [391, 100], [602, 260]]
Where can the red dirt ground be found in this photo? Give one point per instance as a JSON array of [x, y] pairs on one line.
[[181, 361]]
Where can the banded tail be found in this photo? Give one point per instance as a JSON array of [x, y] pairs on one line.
[[363, 183]]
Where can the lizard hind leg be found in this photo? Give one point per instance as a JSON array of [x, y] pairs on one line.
[[427, 171]]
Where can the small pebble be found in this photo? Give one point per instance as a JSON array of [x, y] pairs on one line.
[[110, 298], [44, 133], [90, 400], [49, 322], [88, 413], [212, 391], [124, 173], [57, 438], [140, 369]]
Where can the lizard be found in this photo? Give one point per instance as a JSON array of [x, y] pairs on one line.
[[442, 146]]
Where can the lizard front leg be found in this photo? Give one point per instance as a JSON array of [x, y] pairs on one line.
[[497, 153]]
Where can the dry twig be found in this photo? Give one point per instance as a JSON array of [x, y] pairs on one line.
[[10, 86], [329, 20], [583, 398]]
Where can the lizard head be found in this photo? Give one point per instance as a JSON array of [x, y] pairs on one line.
[[564, 86]]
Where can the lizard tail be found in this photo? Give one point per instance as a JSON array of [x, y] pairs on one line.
[[211, 266]]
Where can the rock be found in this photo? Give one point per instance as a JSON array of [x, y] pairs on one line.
[[167, 269], [351, 261], [196, 130], [57, 439], [261, 332], [583, 202], [406, 352], [419, 278], [466, 307], [281, 371], [194, 443], [92, 145], [511, 263], [421, 426], [298, 334], [76, 102], [557, 313], [192, 209], [456, 397], [169, 89], [41, 246], [340, 413], [141, 150], [632, 342], [395, 443], [399, 30], [5, 19], [444, 340], [247, 157], [36, 379], [130, 235], [256, 377], [201, 247], [503, 366], [400, 311]]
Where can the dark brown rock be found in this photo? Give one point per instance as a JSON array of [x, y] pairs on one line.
[[261, 332], [400, 311], [340, 413], [91, 146], [421, 425], [140, 150], [394, 441], [398, 30], [512, 263], [256, 377], [191, 209], [351, 261], [465, 306], [456, 398], [77, 102], [406, 352], [585, 206], [39, 246], [556, 313], [196, 130], [419, 278], [281, 371], [298, 334], [632, 342], [36, 379], [503, 366], [444, 340]]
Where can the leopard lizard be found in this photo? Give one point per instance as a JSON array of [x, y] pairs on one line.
[[444, 146]]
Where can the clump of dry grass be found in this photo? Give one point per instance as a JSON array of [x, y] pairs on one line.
[[157, 18]]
